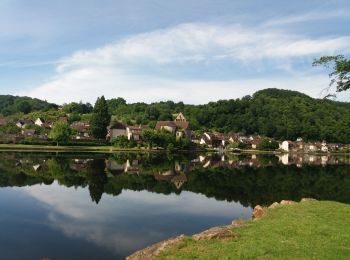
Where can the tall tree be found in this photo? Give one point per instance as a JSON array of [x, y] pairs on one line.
[[340, 74], [100, 118], [60, 133]]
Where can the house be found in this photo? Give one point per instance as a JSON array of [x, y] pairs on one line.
[[216, 140], [116, 129], [324, 147], [82, 129], [286, 146], [3, 121], [180, 126], [23, 122], [39, 121], [135, 132], [28, 132]]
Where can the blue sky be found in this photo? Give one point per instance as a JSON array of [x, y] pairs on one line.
[[149, 50]]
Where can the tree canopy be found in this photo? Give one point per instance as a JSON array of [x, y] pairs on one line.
[[60, 133], [340, 74]]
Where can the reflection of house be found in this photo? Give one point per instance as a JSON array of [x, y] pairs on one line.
[[82, 128], [37, 167], [180, 126], [132, 167], [165, 175], [179, 180], [114, 167]]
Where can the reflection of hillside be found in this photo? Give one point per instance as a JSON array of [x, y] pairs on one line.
[[250, 180]]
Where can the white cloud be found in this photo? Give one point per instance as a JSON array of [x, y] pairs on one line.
[[113, 70]]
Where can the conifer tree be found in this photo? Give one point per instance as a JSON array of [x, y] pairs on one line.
[[100, 119]]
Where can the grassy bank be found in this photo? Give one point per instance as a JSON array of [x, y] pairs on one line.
[[308, 230]]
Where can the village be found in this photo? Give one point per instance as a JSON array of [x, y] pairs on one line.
[[25, 130]]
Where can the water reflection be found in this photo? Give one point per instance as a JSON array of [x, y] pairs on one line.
[[107, 206]]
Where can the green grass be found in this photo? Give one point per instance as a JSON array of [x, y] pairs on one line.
[[50, 148], [308, 230]]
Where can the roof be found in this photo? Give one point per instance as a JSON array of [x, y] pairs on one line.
[[80, 126], [182, 124], [117, 125], [161, 124], [25, 121]]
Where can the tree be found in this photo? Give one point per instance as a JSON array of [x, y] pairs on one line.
[[340, 74], [60, 133], [100, 118], [267, 144], [24, 107]]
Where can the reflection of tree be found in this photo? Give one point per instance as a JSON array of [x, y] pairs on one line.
[[97, 179]]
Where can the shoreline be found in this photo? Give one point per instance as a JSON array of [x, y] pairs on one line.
[[221, 241], [112, 149]]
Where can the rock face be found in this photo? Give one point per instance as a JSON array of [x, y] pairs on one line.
[[287, 202], [307, 199], [274, 205], [154, 250], [258, 212], [222, 233]]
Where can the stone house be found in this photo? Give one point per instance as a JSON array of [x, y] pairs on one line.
[[24, 122], [28, 132], [180, 126], [135, 132], [216, 140], [116, 129], [287, 146], [82, 129]]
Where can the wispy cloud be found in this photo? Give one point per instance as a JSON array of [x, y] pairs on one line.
[[119, 69], [309, 17]]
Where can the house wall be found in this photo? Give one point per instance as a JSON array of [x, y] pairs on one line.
[[118, 132]]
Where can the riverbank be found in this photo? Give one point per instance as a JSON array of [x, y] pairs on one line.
[[306, 230]]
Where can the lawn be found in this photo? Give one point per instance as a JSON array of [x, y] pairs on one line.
[[308, 230]]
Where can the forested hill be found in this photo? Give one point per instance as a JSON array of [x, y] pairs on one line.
[[281, 114], [10, 105]]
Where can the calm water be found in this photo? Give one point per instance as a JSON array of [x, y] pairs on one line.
[[64, 206]]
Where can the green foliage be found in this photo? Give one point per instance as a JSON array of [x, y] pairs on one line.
[[10, 128], [100, 119], [77, 108], [10, 105], [123, 142], [60, 133], [267, 144], [340, 74]]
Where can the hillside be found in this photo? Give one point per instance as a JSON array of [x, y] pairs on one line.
[[281, 114], [10, 105]]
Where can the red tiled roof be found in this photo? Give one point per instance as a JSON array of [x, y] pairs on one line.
[[161, 124]]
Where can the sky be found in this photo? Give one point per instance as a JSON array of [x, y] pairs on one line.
[[193, 51]]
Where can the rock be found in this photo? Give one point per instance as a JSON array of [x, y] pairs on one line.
[[237, 223], [287, 202], [258, 212], [221, 233], [307, 199], [154, 250], [274, 205]]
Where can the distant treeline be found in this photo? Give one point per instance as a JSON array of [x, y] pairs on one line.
[[281, 114]]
